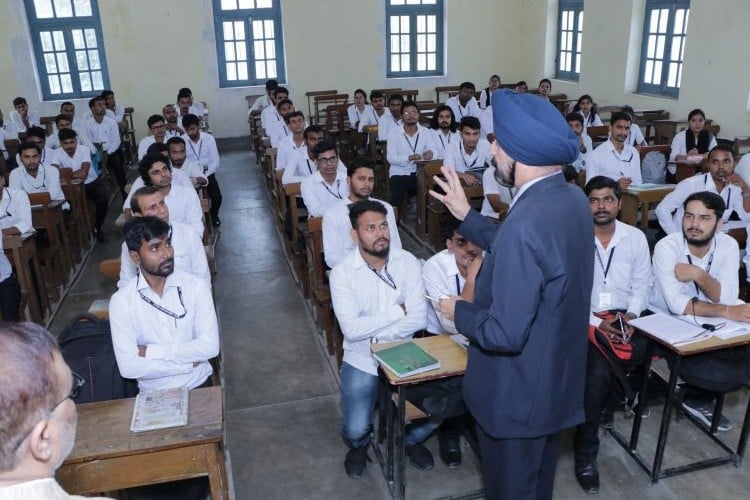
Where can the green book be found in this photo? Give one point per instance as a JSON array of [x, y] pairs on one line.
[[406, 359]]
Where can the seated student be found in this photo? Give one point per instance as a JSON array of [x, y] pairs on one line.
[[393, 120], [61, 123], [270, 117], [185, 106], [376, 112], [22, 118], [615, 158], [183, 202], [199, 108], [327, 185], [695, 141], [118, 112], [104, 133], [266, 99], [720, 179], [444, 130], [588, 111], [303, 163], [189, 254], [179, 176], [471, 155], [292, 147], [78, 158], [15, 218], [38, 428], [485, 98], [697, 273], [545, 87], [279, 132], [169, 112], [6, 132], [359, 109], [201, 148], [585, 145], [180, 163], [158, 128], [38, 136], [337, 240], [521, 87], [635, 138], [497, 196], [464, 103], [35, 177], [622, 284]]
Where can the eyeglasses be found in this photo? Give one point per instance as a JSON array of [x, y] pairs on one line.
[[371, 228], [75, 391], [328, 160]]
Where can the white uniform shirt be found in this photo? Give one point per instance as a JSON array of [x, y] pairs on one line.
[[337, 239], [319, 196], [15, 210], [471, 108], [189, 256], [82, 155], [356, 116], [370, 117], [679, 146], [627, 265], [441, 279], [40, 489], [203, 151], [606, 161], [583, 158], [260, 104], [721, 262], [456, 157], [596, 123], [179, 178], [270, 119], [16, 123], [289, 152], [386, 124], [635, 137], [118, 112], [47, 180], [731, 194], [279, 134], [743, 168], [367, 306], [401, 146], [173, 345], [191, 169], [107, 133], [442, 141], [491, 186], [303, 166]]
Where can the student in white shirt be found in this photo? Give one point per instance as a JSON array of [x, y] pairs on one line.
[[695, 141], [158, 128], [15, 218], [164, 327], [104, 132], [615, 158], [303, 164], [109, 101], [376, 113], [78, 158], [359, 109], [337, 240], [587, 109], [327, 185], [266, 99], [585, 145], [393, 119], [270, 117], [464, 103], [292, 147], [22, 118], [180, 163], [485, 98], [281, 129], [545, 87], [444, 130], [33, 177], [189, 253], [470, 155], [201, 148], [170, 118], [38, 136], [497, 197], [61, 123], [720, 179], [186, 107], [406, 145]]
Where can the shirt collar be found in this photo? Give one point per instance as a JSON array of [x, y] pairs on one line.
[[686, 249], [172, 281]]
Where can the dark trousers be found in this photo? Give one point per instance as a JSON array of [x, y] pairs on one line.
[[115, 163], [518, 469], [96, 192], [10, 298], [399, 187], [596, 395], [214, 194]]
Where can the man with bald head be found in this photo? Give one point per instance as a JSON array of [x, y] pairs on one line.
[[526, 324]]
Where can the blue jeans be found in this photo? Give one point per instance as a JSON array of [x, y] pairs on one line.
[[359, 393]]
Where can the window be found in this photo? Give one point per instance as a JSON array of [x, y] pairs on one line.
[[414, 37], [249, 44], [663, 46], [569, 36], [68, 47]]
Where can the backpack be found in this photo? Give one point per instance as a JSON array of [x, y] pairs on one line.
[[723, 371], [86, 345], [653, 168]]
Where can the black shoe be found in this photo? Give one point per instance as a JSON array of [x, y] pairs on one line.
[[356, 461], [420, 457], [450, 451], [215, 220], [588, 478]]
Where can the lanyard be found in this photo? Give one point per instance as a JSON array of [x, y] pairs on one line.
[[708, 268], [387, 279], [605, 270], [440, 136], [308, 165], [463, 156], [729, 194], [458, 286], [200, 148], [413, 148], [337, 194]]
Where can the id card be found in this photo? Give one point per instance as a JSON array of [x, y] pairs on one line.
[[605, 300]]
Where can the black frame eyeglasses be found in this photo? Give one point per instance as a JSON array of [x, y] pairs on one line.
[[75, 390]]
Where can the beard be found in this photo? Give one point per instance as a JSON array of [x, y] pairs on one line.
[[604, 222], [164, 269], [505, 179], [381, 254], [699, 241]]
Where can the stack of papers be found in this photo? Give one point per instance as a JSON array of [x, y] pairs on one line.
[[647, 187], [680, 330]]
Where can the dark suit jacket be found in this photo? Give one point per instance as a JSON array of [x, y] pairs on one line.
[[528, 321]]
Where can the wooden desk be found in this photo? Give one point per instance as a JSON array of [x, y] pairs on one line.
[[632, 199], [654, 470], [452, 359], [21, 252], [107, 456], [57, 234], [75, 192]]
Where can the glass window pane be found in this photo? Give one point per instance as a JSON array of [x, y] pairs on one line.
[[651, 47], [682, 49], [679, 76], [97, 81], [62, 62], [50, 63], [270, 49], [405, 24], [394, 43], [428, 2], [268, 26], [228, 5], [46, 38], [239, 30], [397, 2], [78, 42], [421, 44], [231, 71], [242, 71], [57, 36], [395, 63], [44, 10], [63, 8], [431, 43], [653, 24], [672, 76], [579, 42], [580, 21], [684, 29], [660, 40], [431, 24], [413, 2], [91, 39], [264, 4], [272, 71], [257, 29], [431, 62], [663, 19], [85, 79], [421, 24], [67, 83], [228, 31], [82, 7], [81, 60], [54, 84], [405, 63], [564, 20], [404, 43], [229, 51], [578, 64], [241, 50], [679, 18], [421, 62], [94, 61], [394, 24], [246, 4], [657, 72], [260, 52], [675, 52], [260, 70], [649, 69]]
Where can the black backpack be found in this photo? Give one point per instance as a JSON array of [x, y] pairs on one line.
[[86, 345]]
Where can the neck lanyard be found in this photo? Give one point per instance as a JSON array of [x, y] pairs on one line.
[[708, 268], [308, 165], [387, 279], [337, 194], [729, 194], [458, 286], [440, 136], [413, 148], [605, 270], [200, 148], [463, 156], [164, 310]]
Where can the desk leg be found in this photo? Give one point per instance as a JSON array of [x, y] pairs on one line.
[[217, 473], [634, 434], [41, 283], [421, 205], [400, 445], [27, 286], [664, 428], [743, 435]]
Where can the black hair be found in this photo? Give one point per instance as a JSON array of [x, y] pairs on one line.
[[357, 208], [574, 117], [376, 94], [61, 117], [154, 119], [696, 111], [66, 134], [28, 145], [570, 173], [18, 101], [409, 104], [291, 115], [434, 120], [157, 148], [312, 129], [106, 93], [280, 90], [711, 201], [323, 146], [467, 85], [620, 116], [545, 80], [450, 226], [94, 100], [358, 163], [135, 206], [175, 140], [603, 182], [396, 97], [147, 162], [360, 91], [594, 108], [36, 131], [470, 121], [721, 147], [189, 120], [140, 229], [271, 84]]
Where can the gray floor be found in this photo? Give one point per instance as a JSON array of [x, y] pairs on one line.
[[282, 397]]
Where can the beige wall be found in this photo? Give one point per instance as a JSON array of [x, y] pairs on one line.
[[340, 44]]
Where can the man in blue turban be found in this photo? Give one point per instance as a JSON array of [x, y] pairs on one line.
[[527, 323]]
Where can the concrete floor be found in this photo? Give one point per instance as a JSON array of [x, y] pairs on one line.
[[282, 398]]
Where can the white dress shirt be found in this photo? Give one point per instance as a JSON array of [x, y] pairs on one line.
[[583, 158], [355, 116], [401, 146], [679, 146], [46, 157], [203, 151], [146, 143], [456, 157], [369, 308], [491, 186], [319, 196], [606, 161], [370, 117], [471, 108], [627, 265], [386, 123], [179, 177], [118, 112], [15, 210], [106, 133], [270, 119], [721, 262], [16, 122], [191, 169], [303, 166], [743, 168], [337, 239], [260, 104], [635, 137], [81, 156], [47, 180], [279, 134], [586, 124], [442, 141], [189, 256], [40, 489], [289, 152], [731, 194], [173, 345], [441, 279]]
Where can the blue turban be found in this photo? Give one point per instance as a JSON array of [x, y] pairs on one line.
[[531, 130]]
